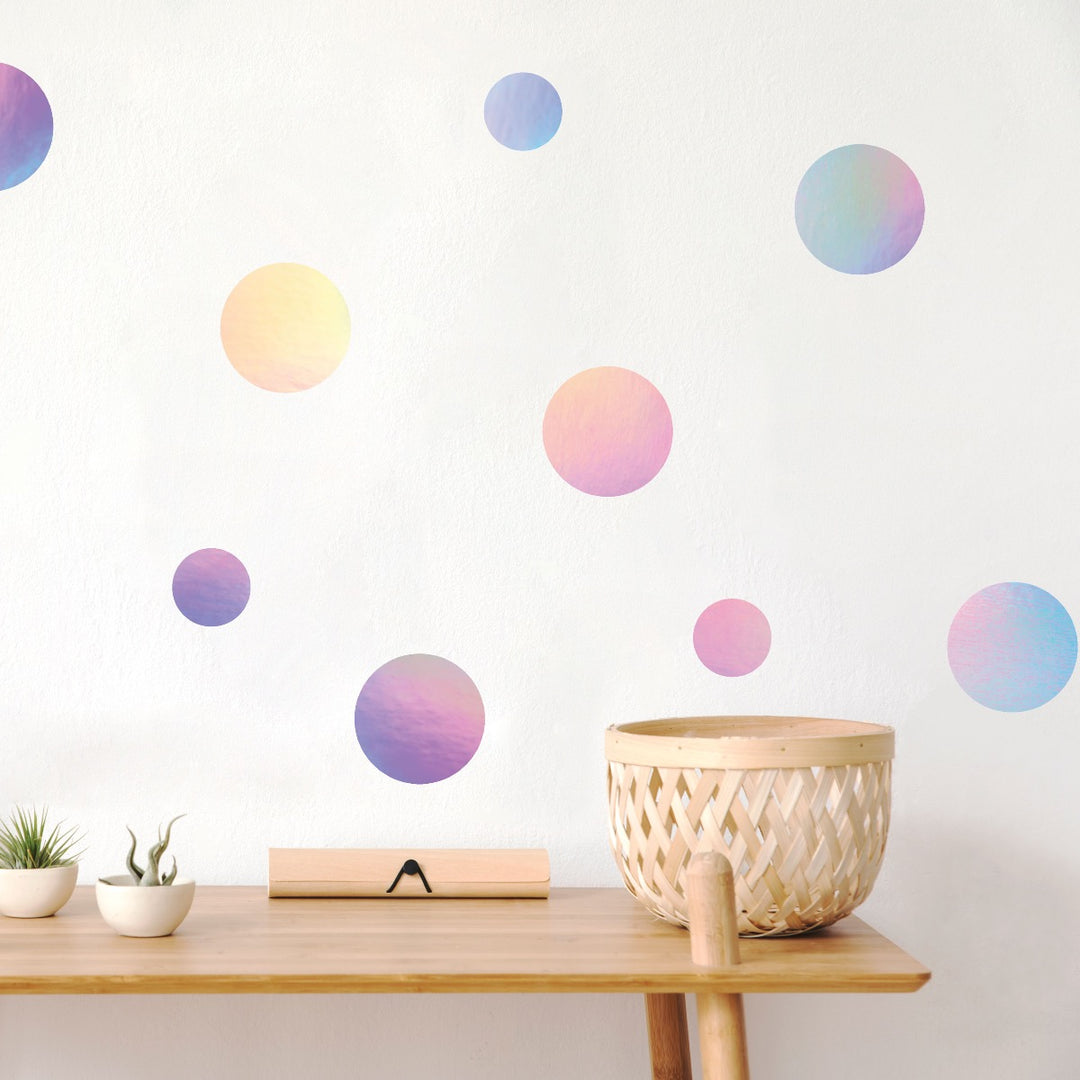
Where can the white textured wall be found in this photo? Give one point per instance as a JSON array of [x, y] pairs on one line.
[[856, 456]]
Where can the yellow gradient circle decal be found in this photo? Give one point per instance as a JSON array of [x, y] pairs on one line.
[[285, 327]]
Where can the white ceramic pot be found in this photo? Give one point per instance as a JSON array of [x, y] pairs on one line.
[[33, 894], [138, 911]]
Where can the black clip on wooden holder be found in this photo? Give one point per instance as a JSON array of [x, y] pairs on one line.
[[411, 867]]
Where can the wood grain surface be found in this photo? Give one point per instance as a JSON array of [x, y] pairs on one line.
[[236, 940]]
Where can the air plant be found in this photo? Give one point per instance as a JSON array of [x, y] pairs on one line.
[[152, 874], [26, 844]]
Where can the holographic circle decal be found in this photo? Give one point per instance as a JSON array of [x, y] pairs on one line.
[[732, 637], [285, 327], [607, 431], [1012, 646], [419, 719], [211, 587], [523, 111], [26, 126], [859, 209]]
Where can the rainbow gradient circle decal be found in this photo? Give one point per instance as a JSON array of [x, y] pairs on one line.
[[607, 431], [419, 719], [523, 111], [859, 209], [211, 587], [1012, 646], [26, 126], [732, 637], [285, 327]]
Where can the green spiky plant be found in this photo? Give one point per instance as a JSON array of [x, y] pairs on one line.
[[152, 874], [27, 843]]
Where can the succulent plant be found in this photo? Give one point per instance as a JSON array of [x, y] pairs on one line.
[[152, 874], [26, 845]]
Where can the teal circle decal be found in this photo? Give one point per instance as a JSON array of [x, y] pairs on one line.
[[859, 209]]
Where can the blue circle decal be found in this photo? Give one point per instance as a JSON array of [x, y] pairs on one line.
[[523, 111]]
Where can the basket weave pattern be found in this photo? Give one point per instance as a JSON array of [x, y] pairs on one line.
[[805, 843]]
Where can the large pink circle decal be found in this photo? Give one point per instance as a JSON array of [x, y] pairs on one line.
[[419, 719], [732, 637], [607, 431]]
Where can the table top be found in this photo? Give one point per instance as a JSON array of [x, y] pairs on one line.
[[236, 940]]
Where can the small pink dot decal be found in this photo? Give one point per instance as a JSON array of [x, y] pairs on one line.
[[732, 637], [607, 431]]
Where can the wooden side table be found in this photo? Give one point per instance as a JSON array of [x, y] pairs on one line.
[[578, 941]]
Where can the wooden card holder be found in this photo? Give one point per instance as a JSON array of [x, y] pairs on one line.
[[409, 872]]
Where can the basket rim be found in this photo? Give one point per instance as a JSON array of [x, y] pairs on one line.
[[748, 742]]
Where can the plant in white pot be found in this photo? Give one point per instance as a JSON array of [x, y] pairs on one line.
[[38, 865], [143, 902]]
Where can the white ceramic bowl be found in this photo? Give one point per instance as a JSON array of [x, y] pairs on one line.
[[137, 911], [33, 894]]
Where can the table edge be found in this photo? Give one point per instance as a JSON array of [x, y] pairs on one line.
[[452, 983]]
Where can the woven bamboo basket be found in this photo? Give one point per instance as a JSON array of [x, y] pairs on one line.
[[798, 806]]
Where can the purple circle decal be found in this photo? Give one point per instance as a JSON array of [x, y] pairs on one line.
[[1012, 647], [26, 126], [211, 587], [523, 111], [732, 637], [419, 719], [859, 209]]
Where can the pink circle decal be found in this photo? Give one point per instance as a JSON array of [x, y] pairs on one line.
[[607, 431], [419, 719], [732, 637]]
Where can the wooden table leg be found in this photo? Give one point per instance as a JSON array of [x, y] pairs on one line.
[[714, 942], [722, 1037], [669, 1041]]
